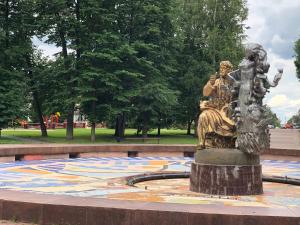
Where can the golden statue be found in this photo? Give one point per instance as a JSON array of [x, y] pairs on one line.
[[215, 126]]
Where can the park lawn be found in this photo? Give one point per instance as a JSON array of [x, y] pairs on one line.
[[103, 135], [5, 140]]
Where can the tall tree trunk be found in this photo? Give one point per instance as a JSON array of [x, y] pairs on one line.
[[120, 125], [93, 131], [159, 126], [158, 130], [70, 125], [38, 110], [93, 125], [189, 127], [123, 125], [77, 29], [117, 125], [145, 130], [145, 126], [196, 125], [70, 115], [36, 102], [6, 26]]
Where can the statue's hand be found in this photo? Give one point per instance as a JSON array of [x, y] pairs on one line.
[[212, 79], [278, 76]]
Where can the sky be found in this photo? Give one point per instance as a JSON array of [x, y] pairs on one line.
[[275, 25]]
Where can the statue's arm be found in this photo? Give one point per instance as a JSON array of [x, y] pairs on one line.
[[276, 79], [235, 75], [209, 89]]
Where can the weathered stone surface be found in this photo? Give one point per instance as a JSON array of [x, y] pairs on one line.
[[226, 180], [217, 156], [249, 113]]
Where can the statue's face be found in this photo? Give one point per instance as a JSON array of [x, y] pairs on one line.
[[224, 70]]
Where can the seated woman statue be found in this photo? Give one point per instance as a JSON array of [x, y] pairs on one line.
[[216, 129]]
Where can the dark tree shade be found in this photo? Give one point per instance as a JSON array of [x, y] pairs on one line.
[[14, 44]]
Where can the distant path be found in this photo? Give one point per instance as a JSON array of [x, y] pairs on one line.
[[280, 139], [3, 222], [285, 138], [26, 140]]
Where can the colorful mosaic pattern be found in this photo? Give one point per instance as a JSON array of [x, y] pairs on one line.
[[104, 178]]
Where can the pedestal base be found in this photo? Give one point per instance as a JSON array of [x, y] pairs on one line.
[[226, 179], [226, 172]]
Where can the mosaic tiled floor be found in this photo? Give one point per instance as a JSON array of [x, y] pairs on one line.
[[104, 178]]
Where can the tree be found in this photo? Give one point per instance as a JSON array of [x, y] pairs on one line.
[[98, 62], [295, 120], [57, 19], [275, 121], [38, 80], [208, 31], [15, 43], [147, 30], [297, 58]]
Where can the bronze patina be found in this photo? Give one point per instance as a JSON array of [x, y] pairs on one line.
[[234, 116]]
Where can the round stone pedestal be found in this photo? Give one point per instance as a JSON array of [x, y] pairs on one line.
[[226, 172]]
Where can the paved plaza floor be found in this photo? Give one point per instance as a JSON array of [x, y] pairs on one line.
[[3, 222], [105, 178], [285, 139]]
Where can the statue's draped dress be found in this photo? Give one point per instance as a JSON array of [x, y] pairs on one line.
[[214, 118]]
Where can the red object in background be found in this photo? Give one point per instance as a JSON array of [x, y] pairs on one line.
[[24, 124], [80, 125], [288, 126], [33, 157]]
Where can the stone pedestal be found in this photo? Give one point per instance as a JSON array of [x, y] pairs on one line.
[[226, 172]]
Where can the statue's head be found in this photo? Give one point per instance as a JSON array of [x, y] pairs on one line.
[[225, 68], [256, 53]]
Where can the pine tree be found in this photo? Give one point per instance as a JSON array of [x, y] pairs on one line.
[[15, 43], [146, 27]]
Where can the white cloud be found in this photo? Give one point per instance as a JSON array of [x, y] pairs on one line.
[[272, 21], [283, 102], [274, 24], [278, 101], [277, 40]]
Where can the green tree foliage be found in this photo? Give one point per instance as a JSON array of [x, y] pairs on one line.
[[208, 31], [295, 120], [297, 60], [275, 121], [99, 61], [40, 79], [147, 30], [14, 46], [57, 23], [145, 61]]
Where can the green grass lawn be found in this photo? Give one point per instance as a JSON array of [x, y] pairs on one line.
[[103, 135], [4, 140]]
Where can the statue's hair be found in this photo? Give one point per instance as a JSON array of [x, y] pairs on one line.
[[254, 50], [226, 64]]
